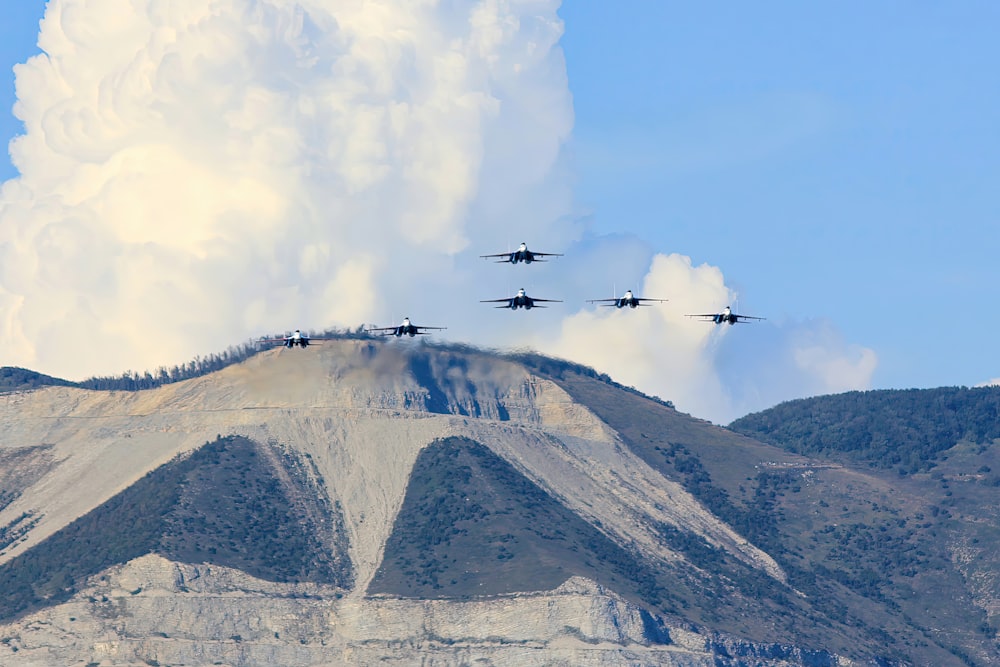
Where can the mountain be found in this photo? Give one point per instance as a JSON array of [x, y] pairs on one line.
[[368, 501], [938, 449], [910, 430]]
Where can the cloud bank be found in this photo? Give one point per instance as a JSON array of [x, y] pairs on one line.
[[194, 174]]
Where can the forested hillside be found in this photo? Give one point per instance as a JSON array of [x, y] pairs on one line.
[[13, 378], [907, 430], [233, 502]]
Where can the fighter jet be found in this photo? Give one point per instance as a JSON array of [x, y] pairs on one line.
[[407, 328], [727, 316], [522, 254], [291, 340], [627, 300], [520, 300]]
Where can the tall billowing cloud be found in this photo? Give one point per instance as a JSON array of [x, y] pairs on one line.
[[195, 172]]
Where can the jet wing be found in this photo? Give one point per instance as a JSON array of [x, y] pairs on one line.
[[507, 302], [537, 256], [535, 302], [420, 326], [288, 338], [384, 331], [499, 254], [747, 317], [610, 301]]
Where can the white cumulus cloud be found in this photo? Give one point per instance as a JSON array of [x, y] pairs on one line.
[[196, 173], [193, 173]]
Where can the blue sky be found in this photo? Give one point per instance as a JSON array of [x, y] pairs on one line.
[[837, 163], [837, 160], [18, 42]]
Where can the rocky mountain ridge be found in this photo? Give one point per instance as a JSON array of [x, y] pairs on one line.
[[446, 485]]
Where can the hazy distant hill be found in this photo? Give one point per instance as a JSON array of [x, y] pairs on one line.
[[370, 501], [904, 429], [939, 452]]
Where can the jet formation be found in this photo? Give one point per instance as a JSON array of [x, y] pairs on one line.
[[520, 300]]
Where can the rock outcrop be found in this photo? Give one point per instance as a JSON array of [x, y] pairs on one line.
[[155, 612]]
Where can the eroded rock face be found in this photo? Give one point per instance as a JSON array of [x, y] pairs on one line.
[[360, 413], [154, 611]]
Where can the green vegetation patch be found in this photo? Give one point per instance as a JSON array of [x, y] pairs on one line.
[[258, 509], [232, 502], [868, 554], [20, 526], [472, 525], [125, 527], [20, 467], [903, 429], [20, 379]]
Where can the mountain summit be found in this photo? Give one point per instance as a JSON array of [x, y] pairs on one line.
[[367, 501]]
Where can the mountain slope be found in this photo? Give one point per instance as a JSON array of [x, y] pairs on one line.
[[231, 502], [472, 525], [372, 500], [937, 450], [903, 429]]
